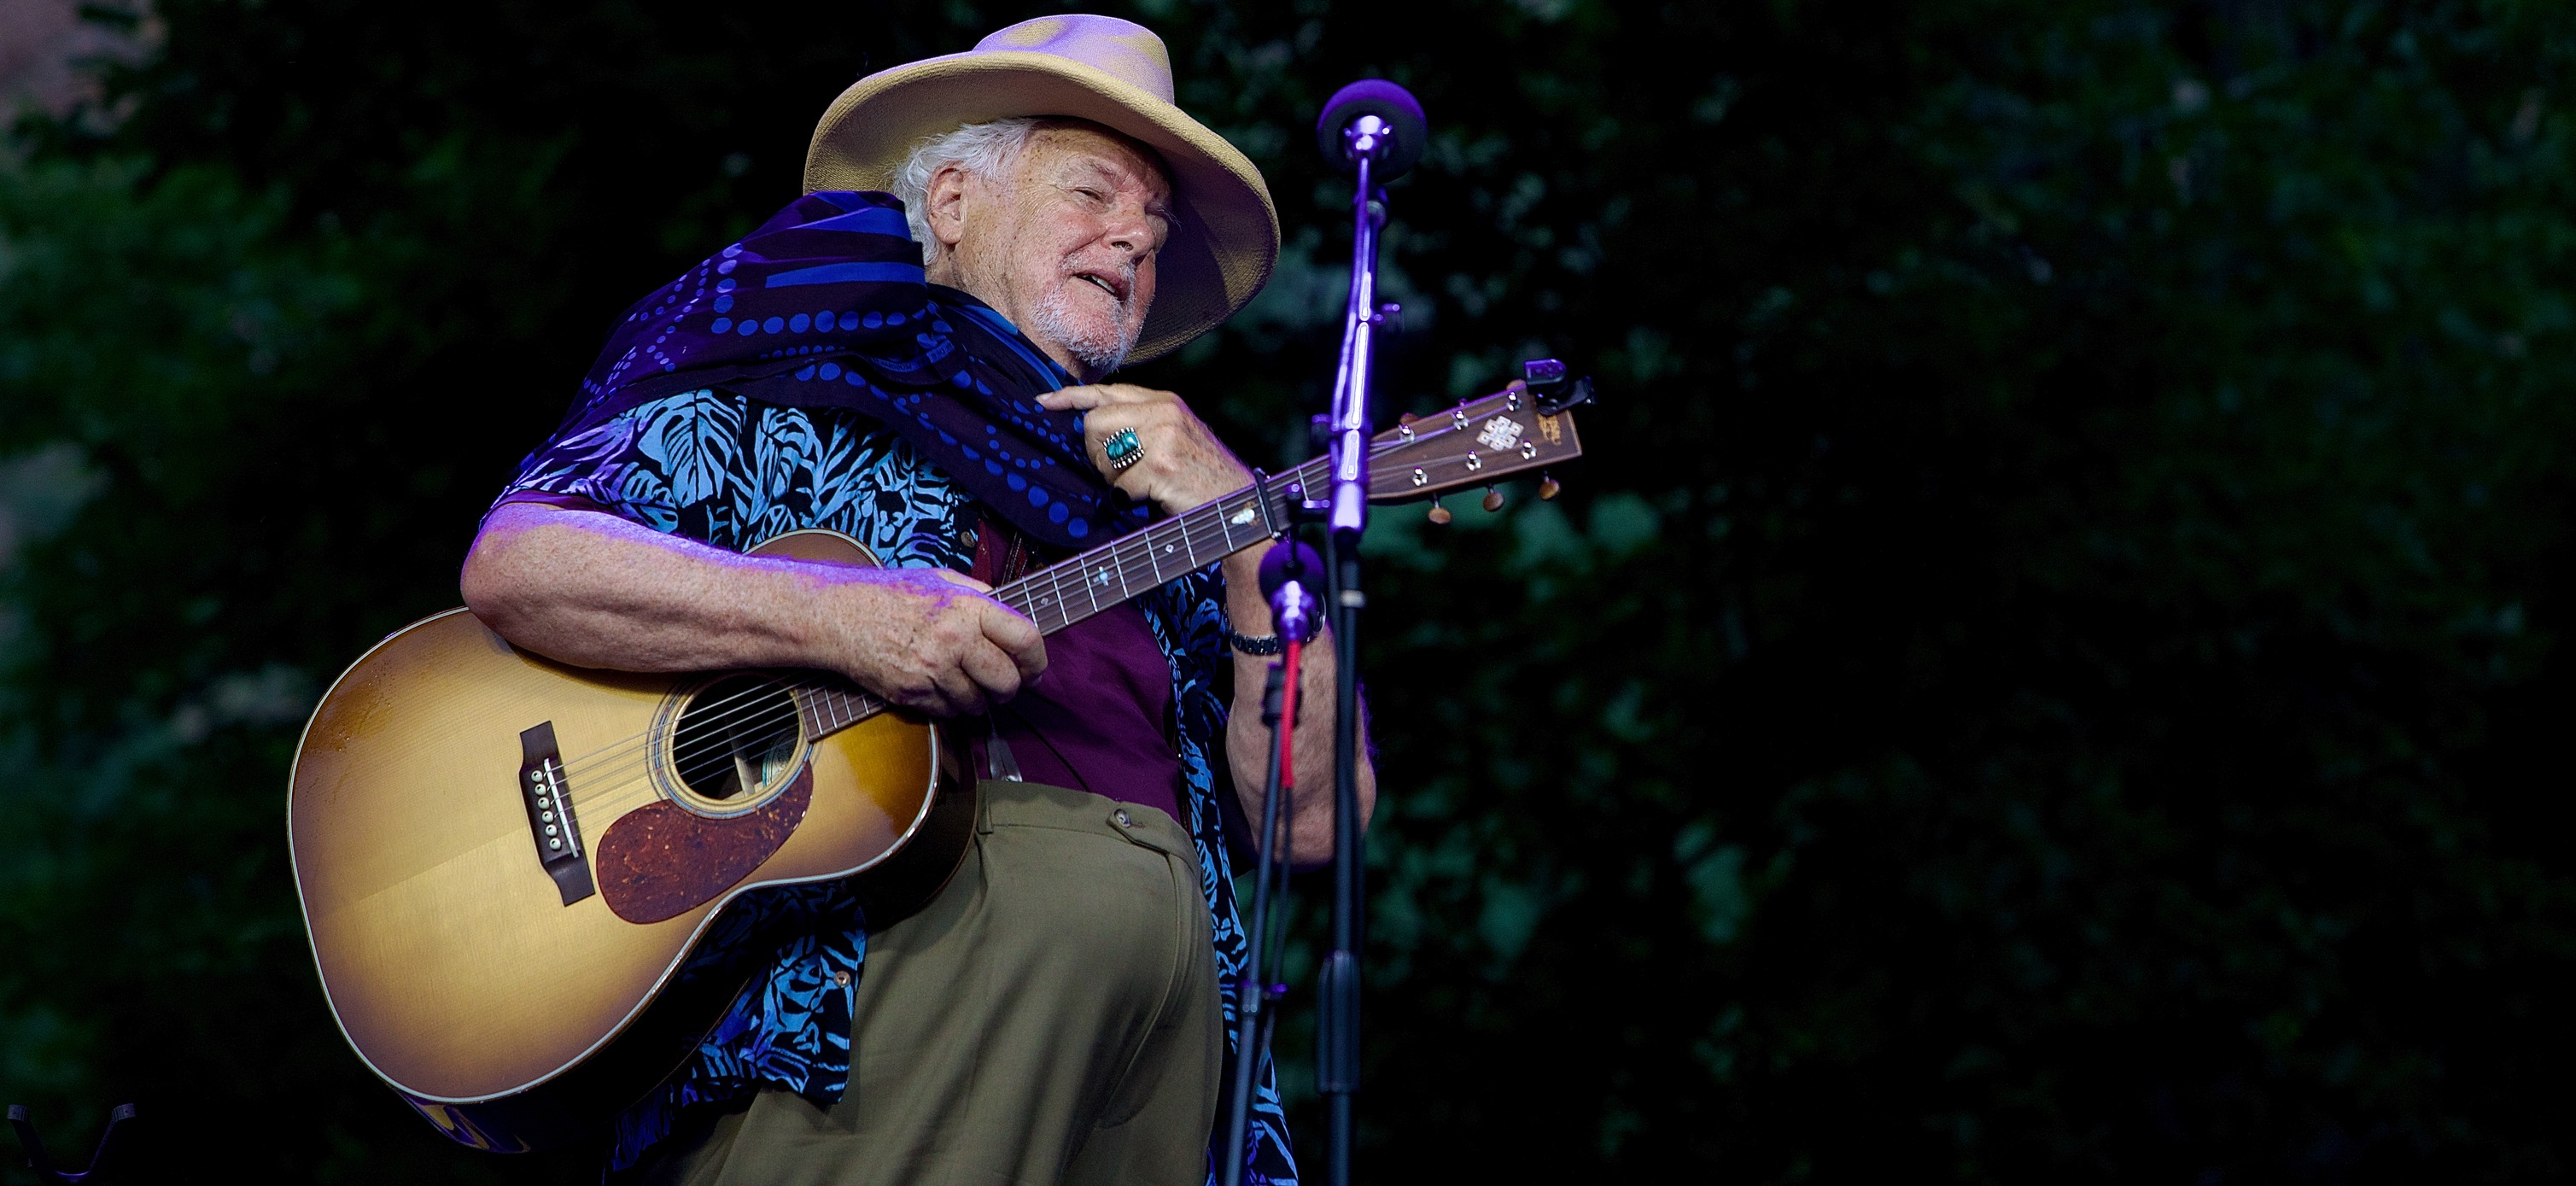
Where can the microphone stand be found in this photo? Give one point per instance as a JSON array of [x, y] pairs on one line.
[[23, 1121], [1338, 997], [1376, 130]]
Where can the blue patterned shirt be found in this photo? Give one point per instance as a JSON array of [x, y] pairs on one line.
[[731, 472]]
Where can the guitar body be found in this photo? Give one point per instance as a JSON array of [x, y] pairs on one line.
[[516, 995]]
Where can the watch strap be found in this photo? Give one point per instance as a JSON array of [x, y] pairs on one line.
[[1267, 644]]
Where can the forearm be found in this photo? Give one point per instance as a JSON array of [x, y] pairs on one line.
[[595, 590], [1310, 806]]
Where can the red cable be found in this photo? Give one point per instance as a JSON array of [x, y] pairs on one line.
[[1288, 720]]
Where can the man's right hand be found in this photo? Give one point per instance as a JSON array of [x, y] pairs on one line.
[[928, 639]]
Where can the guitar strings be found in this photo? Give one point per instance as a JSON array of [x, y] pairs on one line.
[[727, 712], [1122, 557], [617, 765], [1192, 534], [750, 699], [609, 770]]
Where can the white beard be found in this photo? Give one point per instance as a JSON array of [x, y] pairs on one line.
[[1101, 350]]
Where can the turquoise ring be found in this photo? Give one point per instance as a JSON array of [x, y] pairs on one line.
[[1122, 449]]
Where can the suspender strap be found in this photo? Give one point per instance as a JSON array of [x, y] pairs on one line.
[[1002, 553]]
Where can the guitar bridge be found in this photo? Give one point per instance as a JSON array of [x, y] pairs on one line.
[[543, 791]]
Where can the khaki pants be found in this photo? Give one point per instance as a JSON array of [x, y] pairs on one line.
[[1050, 1017]]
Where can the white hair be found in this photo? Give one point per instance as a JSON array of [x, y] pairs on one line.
[[987, 150]]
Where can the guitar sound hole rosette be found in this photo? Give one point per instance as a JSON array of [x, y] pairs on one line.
[[728, 744]]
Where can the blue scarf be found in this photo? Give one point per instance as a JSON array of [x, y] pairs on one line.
[[825, 306]]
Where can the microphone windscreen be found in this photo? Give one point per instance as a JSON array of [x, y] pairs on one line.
[[1274, 569], [1387, 101]]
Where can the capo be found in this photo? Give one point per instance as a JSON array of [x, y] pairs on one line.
[[1261, 498]]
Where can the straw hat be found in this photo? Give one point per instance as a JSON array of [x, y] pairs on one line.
[[1225, 233]]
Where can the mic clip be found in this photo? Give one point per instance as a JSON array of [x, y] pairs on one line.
[[1547, 381]]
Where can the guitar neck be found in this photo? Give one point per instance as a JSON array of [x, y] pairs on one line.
[[1108, 576], [1103, 578]]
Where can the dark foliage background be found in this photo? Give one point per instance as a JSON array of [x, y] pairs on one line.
[[2047, 674]]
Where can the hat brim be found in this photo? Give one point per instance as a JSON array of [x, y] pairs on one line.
[[1224, 237]]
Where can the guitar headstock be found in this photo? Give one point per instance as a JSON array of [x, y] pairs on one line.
[[1527, 425]]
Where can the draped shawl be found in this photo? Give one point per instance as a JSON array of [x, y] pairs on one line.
[[826, 305]]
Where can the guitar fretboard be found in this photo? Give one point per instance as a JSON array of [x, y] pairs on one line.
[[1107, 576]]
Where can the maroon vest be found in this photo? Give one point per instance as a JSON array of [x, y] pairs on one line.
[[1099, 718]]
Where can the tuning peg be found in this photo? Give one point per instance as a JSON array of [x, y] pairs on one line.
[[1407, 418], [1493, 500], [1439, 514], [1547, 486]]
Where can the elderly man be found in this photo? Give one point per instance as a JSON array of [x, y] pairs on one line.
[[1055, 1012]]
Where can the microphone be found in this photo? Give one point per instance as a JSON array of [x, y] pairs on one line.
[[1395, 141], [1284, 573]]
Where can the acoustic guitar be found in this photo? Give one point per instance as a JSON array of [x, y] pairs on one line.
[[505, 862]]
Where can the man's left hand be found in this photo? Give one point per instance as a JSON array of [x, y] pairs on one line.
[[1183, 465]]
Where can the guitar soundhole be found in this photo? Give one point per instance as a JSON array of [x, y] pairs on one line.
[[736, 738]]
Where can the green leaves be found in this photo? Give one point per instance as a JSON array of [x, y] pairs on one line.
[[2049, 669]]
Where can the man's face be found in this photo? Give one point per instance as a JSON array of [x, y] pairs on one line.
[[1066, 247]]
